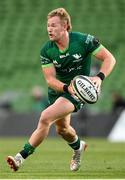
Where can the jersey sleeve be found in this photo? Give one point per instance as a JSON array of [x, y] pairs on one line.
[[92, 44], [44, 58]]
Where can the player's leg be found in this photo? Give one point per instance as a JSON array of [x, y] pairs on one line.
[[64, 128], [68, 133], [62, 107]]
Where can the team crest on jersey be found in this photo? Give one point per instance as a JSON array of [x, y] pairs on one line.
[[77, 56]]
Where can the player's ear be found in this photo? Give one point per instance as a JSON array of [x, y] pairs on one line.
[[65, 25]]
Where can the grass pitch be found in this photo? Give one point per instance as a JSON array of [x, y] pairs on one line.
[[51, 160]]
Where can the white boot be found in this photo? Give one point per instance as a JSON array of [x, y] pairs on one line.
[[15, 162], [76, 158]]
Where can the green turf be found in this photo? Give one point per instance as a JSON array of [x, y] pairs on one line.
[[51, 160]]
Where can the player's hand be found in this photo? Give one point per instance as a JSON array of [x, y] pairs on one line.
[[97, 82], [70, 89]]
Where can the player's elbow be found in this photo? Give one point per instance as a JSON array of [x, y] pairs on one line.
[[110, 59], [113, 61], [49, 81]]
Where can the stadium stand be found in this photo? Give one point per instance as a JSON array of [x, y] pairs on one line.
[[23, 31]]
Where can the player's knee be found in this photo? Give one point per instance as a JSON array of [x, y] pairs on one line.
[[61, 130], [44, 119]]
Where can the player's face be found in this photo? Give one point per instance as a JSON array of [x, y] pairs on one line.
[[55, 28]]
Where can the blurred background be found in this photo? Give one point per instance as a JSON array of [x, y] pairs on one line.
[[23, 91]]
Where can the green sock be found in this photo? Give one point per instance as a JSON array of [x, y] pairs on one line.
[[28, 149], [75, 144]]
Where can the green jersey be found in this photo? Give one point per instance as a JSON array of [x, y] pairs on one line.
[[75, 60]]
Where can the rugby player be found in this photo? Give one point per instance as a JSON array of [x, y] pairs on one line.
[[64, 56]]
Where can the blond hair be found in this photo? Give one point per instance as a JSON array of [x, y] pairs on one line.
[[64, 16]]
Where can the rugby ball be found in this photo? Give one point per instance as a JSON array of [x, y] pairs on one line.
[[85, 89]]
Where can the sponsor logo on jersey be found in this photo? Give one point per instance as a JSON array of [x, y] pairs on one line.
[[71, 69], [89, 39], [44, 60]]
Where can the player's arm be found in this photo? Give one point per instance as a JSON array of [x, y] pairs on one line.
[[94, 46], [53, 82], [108, 61]]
